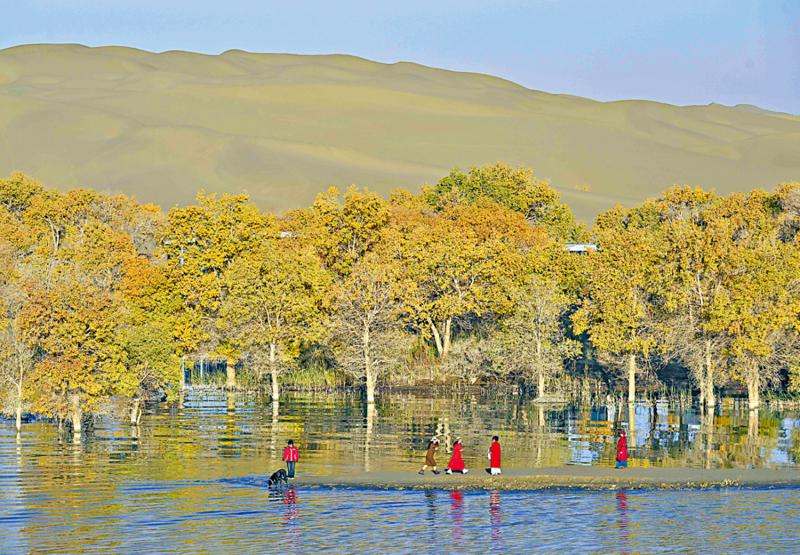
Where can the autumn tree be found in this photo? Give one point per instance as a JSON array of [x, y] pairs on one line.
[[617, 312], [534, 340], [760, 307], [692, 250], [367, 333], [277, 295], [16, 247], [150, 309], [516, 189], [201, 242], [342, 228], [460, 265]]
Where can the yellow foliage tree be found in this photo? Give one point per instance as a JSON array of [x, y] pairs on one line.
[[276, 299]]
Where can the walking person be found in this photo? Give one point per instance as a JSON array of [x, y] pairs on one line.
[[622, 451], [456, 464], [290, 455], [430, 456], [494, 457]]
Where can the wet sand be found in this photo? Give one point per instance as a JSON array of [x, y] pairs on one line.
[[566, 477]]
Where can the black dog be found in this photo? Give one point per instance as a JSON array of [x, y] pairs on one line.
[[278, 477]]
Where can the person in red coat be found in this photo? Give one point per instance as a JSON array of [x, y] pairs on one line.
[[456, 463], [290, 455], [494, 457], [622, 451]]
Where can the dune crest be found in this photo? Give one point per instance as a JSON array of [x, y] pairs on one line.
[[283, 127]]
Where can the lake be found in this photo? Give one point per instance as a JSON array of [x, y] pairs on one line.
[[192, 478]]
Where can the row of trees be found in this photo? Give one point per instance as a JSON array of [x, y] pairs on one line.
[[102, 296]]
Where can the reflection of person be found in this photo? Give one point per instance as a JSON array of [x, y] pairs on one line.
[[430, 456], [457, 515], [290, 456], [495, 519], [622, 451], [456, 463], [494, 457], [622, 519]]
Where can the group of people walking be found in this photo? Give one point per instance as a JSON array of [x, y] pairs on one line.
[[456, 464]]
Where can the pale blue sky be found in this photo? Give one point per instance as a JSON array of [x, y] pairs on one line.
[[683, 52]]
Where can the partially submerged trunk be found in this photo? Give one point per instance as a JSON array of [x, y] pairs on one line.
[[631, 425], [752, 425], [369, 370], [710, 399], [230, 376], [540, 369], [274, 385], [135, 412], [273, 371], [76, 415], [631, 378], [753, 386], [18, 411]]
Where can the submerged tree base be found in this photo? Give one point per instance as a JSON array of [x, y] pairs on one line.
[[567, 477]]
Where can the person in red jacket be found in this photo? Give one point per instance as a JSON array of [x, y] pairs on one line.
[[290, 455], [622, 451], [456, 463], [494, 457]]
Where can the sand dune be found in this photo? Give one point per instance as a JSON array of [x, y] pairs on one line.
[[284, 127]]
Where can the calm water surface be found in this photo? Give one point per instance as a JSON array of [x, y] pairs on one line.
[[191, 479]]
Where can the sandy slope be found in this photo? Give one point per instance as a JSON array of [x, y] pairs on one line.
[[284, 127]]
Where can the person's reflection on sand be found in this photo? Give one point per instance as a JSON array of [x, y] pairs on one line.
[[622, 520], [495, 518], [457, 517]]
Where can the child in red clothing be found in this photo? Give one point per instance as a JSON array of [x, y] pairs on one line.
[[494, 457], [456, 463], [622, 451], [290, 455]]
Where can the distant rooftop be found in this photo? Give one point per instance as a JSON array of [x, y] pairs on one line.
[[580, 247]]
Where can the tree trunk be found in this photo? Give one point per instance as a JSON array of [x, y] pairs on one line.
[[19, 406], [273, 372], [76, 414], [753, 399], [183, 373], [631, 378], [136, 411], [752, 429], [448, 333], [709, 381], [369, 371], [276, 393], [230, 376], [701, 382], [437, 338], [540, 368]]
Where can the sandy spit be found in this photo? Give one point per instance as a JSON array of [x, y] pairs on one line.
[[565, 477]]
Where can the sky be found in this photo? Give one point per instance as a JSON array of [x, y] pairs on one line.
[[678, 51]]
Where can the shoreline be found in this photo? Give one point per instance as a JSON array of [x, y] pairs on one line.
[[588, 478]]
